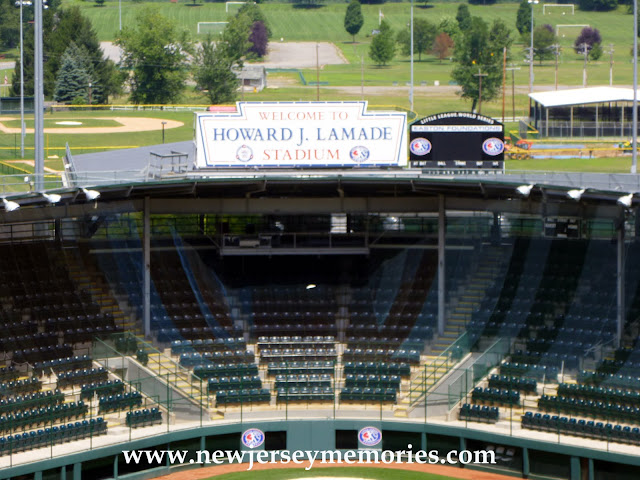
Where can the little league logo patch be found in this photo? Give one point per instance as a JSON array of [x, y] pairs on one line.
[[420, 146], [253, 438], [359, 154], [493, 146], [370, 436], [244, 153]]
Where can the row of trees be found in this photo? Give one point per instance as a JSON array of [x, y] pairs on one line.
[[157, 57]]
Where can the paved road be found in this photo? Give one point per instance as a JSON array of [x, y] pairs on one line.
[[281, 54]]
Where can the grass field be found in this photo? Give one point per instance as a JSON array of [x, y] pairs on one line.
[[55, 122], [326, 24], [86, 143], [356, 472]]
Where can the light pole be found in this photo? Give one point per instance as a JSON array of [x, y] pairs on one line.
[[634, 138], [411, 86], [556, 53], [585, 52], [22, 132], [38, 101], [532, 3], [21, 3], [610, 52], [163, 124]]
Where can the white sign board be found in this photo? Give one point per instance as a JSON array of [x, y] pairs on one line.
[[304, 134]]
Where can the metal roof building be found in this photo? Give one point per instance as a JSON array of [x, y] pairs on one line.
[[583, 112]]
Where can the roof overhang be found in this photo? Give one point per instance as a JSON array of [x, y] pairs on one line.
[[582, 96], [324, 194]]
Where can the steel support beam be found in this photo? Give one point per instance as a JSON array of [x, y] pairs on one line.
[[146, 253], [441, 265], [620, 286]]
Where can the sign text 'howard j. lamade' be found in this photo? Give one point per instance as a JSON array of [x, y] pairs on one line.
[[301, 134]]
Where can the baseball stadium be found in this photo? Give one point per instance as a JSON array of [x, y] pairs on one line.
[[279, 289], [185, 298]]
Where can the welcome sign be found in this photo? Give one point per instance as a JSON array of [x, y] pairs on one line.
[[300, 134]]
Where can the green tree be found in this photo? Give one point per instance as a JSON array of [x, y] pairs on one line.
[[73, 79], [596, 51], [50, 17], [449, 25], [255, 13], [73, 27], [62, 28], [213, 72], [235, 37], [155, 53], [500, 37], [463, 16], [382, 49], [543, 38], [523, 18], [479, 50], [598, 5], [353, 19], [424, 32], [9, 24]]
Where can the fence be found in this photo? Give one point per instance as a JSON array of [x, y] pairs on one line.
[[585, 129]]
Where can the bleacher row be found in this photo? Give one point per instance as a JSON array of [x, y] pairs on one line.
[[80, 377], [103, 388], [581, 428], [227, 356], [589, 408], [42, 416], [62, 364], [224, 370], [179, 347], [479, 413], [31, 400], [52, 436], [144, 418]]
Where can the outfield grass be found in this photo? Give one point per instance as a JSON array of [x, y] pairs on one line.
[[53, 122], [86, 143], [356, 472]]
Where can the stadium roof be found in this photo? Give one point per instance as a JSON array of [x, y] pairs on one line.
[[582, 96]]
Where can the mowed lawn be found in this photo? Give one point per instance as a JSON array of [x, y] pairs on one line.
[[367, 473], [86, 143], [326, 24]]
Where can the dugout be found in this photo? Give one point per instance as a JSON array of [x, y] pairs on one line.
[[11, 105], [583, 112]]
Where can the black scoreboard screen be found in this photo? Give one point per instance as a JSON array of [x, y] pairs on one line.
[[558, 227], [457, 140]]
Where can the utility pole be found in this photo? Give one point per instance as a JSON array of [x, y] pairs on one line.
[[317, 73], [532, 3], [584, 49], [362, 77], [556, 52], [512, 69], [610, 52], [479, 75], [504, 78]]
